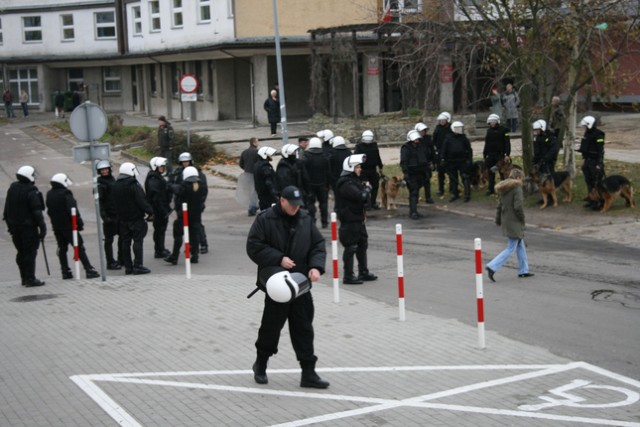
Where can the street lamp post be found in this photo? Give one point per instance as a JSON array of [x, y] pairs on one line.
[[281, 97]]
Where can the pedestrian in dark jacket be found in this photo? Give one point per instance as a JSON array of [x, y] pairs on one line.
[[497, 147], [264, 178], [457, 157], [166, 141], [108, 213], [23, 212], [7, 98], [247, 161], [158, 195], [510, 215], [372, 164], [440, 134], [60, 201], [272, 107], [416, 157], [188, 191], [285, 236], [316, 162], [352, 198], [59, 104], [545, 148], [131, 207]]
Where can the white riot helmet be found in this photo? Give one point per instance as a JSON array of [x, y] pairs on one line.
[[413, 135], [190, 174], [160, 161], [185, 157], [420, 127], [129, 169], [152, 163], [349, 164], [266, 152], [288, 150], [103, 164], [493, 118], [444, 116], [540, 124], [326, 134], [457, 127], [314, 144], [62, 179], [588, 121], [337, 141], [283, 286], [367, 136], [27, 172]]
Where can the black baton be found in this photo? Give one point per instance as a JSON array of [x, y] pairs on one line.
[[46, 261]]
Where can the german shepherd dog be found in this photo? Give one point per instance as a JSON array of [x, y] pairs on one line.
[[608, 189], [389, 187], [548, 184], [479, 175]]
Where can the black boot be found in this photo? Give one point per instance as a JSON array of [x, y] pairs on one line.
[[367, 276], [91, 273], [351, 279], [310, 378], [33, 282], [67, 274], [260, 370]]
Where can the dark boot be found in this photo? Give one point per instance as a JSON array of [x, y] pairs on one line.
[[33, 282], [310, 378], [140, 269], [367, 276], [67, 274], [91, 273], [260, 370], [351, 279]]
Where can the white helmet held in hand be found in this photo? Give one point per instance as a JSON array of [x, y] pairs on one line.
[[28, 172], [266, 152], [128, 169], [336, 141], [540, 124], [444, 116], [289, 149], [349, 164], [61, 178], [457, 127], [588, 121], [420, 127], [413, 135], [367, 136], [493, 118], [190, 174], [314, 144]]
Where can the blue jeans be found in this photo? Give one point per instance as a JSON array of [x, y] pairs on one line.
[[516, 245]]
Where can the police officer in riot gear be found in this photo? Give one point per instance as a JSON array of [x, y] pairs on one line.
[[497, 146], [60, 201], [291, 171], [592, 150], [131, 207], [415, 159], [440, 133], [319, 170], [337, 154], [158, 195], [264, 178], [352, 198], [457, 157], [23, 213], [285, 236], [545, 148], [108, 213], [166, 137], [370, 167]]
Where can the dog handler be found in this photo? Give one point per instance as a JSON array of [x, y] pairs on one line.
[[285, 236], [415, 158], [592, 150]]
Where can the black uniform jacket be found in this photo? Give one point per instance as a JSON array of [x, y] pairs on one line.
[[131, 204], [373, 160], [158, 194], [545, 148], [274, 235], [351, 198], [60, 200], [24, 205], [497, 142], [108, 211], [592, 145], [415, 158], [192, 195]]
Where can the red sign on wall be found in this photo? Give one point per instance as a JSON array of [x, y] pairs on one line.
[[446, 73]]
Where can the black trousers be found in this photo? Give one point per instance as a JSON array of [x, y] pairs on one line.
[[27, 242], [300, 314], [441, 174], [194, 238], [160, 222], [321, 194], [274, 127], [132, 234], [64, 238], [353, 236], [110, 230], [490, 162], [591, 173], [415, 182], [373, 177], [458, 167]]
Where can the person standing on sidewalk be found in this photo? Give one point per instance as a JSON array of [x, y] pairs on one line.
[[7, 98], [440, 133], [60, 201], [415, 157], [285, 236], [272, 107], [371, 165], [166, 137], [24, 102], [510, 216], [23, 212], [59, 104], [592, 150], [511, 104], [264, 178], [248, 159], [108, 213], [457, 157], [497, 146], [158, 195]]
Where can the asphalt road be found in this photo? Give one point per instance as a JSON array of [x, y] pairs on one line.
[[583, 303]]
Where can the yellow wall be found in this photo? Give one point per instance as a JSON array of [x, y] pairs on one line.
[[254, 18]]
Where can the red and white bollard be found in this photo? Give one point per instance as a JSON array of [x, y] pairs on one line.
[[187, 245], [400, 272], [479, 293], [334, 257], [76, 251]]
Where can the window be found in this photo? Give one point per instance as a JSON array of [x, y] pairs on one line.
[[176, 14], [199, 77], [210, 75], [154, 15], [66, 22], [0, 31], [111, 79], [105, 25], [27, 79], [175, 77], [152, 80], [32, 26], [137, 20], [75, 80], [204, 10]]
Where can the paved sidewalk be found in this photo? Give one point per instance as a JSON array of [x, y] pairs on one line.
[[151, 351]]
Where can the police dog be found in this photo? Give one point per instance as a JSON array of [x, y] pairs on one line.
[[548, 184], [389, 187], [479, 175], [608, 189]]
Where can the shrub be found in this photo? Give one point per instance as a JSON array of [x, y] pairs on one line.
[[200, 146], [114, 124]]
